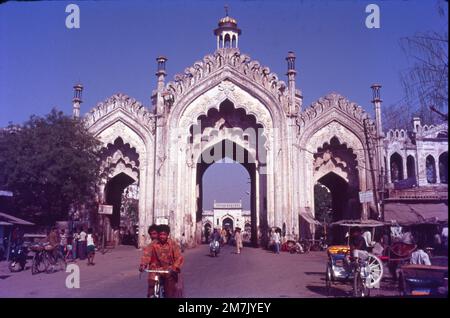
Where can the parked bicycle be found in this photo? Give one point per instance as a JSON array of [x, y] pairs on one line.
[[158, 291], [305, 245], [46, 259]]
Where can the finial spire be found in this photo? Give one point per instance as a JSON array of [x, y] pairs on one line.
[[226, 10]]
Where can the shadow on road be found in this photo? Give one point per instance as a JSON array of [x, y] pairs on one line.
[[315, 273], [321, 290]]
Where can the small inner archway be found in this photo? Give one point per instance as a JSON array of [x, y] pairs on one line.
[[114, 195], [335, 167], [430, 165], [339, 190], [411, 167], [396, 167], [119, 187], [228, 223]]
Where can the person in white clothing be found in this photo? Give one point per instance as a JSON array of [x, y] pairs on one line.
[[82, 244], [444, 235], [419, 257], [276, 238], [367, 235], [90, 242]]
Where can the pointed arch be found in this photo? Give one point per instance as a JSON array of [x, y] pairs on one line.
[[430, 165], [443, 167], [396, 167]]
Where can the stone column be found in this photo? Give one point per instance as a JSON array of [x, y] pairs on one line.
[[404, 166]]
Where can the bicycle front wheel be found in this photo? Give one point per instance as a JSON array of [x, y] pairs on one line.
[[61, 262], [156, 291], [359, 287]]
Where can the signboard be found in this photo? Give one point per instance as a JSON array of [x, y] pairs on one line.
[[162, 220], [105, 209], [366, 196]]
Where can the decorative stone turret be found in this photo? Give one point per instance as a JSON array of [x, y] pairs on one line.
[[227, 33], [77, 91], [291, 73]]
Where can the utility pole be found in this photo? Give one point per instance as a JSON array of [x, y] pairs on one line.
[[372, 170], [376, 101]]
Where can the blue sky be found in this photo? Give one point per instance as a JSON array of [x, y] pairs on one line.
[[116, 46]]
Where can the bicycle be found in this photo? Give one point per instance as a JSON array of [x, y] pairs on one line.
[[305, 245], [57, 260], [368, 271], [45, 259], [158, 290]]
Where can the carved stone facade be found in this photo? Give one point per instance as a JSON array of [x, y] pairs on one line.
[[229, 99], [419, 156]]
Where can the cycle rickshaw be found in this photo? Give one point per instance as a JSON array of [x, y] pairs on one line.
[[364, 272]]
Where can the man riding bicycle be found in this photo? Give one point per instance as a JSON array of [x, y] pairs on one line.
[[146, 257], [166, 255]]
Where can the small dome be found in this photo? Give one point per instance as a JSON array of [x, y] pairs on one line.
[[226, 20], [227, 24]]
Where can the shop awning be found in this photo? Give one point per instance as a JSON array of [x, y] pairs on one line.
[[415, 213], [12, 219], [306, 214]]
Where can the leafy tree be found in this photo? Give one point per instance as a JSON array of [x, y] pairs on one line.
[[322, 203], [48, 163], [425, 81]]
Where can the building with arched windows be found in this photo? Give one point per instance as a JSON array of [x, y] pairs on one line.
[[417, 178]]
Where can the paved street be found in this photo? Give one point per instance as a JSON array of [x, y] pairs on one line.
[[254, 273]]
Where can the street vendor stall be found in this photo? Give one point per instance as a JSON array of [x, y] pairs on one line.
[[7, 224]]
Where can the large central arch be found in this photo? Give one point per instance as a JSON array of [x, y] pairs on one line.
[[224, 130], [233, 151]]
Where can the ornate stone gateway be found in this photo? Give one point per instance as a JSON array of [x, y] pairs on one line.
[[228, 105]]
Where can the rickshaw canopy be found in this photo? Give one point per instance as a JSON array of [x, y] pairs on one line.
[[359, 223]]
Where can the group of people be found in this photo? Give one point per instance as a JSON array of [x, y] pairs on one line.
[[163, 253], [225, 236], [80, 244]]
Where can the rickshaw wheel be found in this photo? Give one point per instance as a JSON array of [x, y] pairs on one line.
[[376, 270], [328, 279]]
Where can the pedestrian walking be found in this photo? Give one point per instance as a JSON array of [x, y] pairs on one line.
[[82, 244], [68, 255], [276, 238], [223, 235], [75, 238], [63, 242], [116, 237], [90, 246], [183, 242], [238, 240]]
